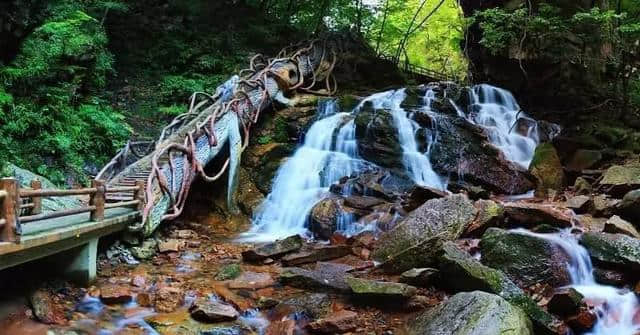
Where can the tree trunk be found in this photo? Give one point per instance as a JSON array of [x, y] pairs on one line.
[[384, 22]]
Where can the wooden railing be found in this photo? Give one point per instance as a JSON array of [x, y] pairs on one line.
[[22, 206]]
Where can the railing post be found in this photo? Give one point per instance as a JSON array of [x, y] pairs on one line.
[[97, 200], [139, 194], [37, 201], [9, 210]]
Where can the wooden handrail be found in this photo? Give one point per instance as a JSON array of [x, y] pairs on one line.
[[27, 205], [52, 215], [57, 193], [121, 204], [121, 189], [3, 194]]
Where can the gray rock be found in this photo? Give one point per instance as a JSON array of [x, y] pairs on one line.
[[315, 305], [325, 277], [212, 310], [613, 249], [472, 313], [413, 243], [526, 259], [421, 277], [616, 225], [380, 289], [461, 272], [274, 250], [580, 204], [629, 207], [147, 250], [620, 179]]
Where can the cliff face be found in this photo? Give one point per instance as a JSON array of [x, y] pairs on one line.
[[540, 83]]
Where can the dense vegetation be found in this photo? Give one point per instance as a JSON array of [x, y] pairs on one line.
[[79, 78]]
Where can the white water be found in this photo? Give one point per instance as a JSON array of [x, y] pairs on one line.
[[615, 314], [498, 112]]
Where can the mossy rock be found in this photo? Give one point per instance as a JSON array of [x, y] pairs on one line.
[[547, 169], [380, 289], [613, 249], [229, 271]]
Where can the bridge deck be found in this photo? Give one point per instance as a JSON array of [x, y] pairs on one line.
[[41, 239]]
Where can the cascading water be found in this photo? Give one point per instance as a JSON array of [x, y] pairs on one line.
[[329, 153], [618, 307], [496, 110]]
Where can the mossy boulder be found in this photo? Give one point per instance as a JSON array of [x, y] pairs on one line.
[[526, 259], [473, 313], [461, 272], [613, 249], [324, 217], [490, 213], [629, 207], [380, 289], [547, 169], [412, 243], [620, 179]]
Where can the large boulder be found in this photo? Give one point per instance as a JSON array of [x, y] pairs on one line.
[[620, 179], [547, 169], [461, 272], [525, 258], [275, 249], [404, 247], [325, 216], [472, 313], [378, 137], [613, 249], [629, 207]]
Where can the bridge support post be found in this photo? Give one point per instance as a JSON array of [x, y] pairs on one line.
[[9, 210], [80, 263]]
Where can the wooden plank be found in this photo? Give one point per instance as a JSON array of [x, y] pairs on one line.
[[121, 189], [97, 200], [122, 204], [53, 215]]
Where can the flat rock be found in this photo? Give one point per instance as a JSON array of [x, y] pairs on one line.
[[274, 250], [362, 202], [115, 294], [418, 195], [620, 179], [616, 225], [324, 277], [252, 281], [336, 323], [380, 289], [421, 277], [212, 310], [531, 214], [461, 272], [472, 313], [322, 253], [579, 204], [613, 249], [170, 245]]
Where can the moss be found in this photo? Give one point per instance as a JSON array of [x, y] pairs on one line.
[[230, 271]]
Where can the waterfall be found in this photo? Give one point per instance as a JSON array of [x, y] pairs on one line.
[[497, 111], [618, 307], [328, 153]]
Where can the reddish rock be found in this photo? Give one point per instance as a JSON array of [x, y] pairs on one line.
[[115, 294], [46, 309], [365, 239], [138, 281], [531, 214], [144, 299], [227, 295], [363, 253], [171, 245], [566, 302], [419, 195], [362, 202], [285, 327], [168, 299], [336, 323], [583, 321], [252, 281], [580, 204], [337, 239], [212, 310]]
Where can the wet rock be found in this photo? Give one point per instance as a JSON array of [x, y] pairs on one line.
[[584, 159], [582, 186], [212, 310], [590, 223], [112, 294], [366, 239], [609, 277], [526, 259], [490, 213], [241, 303], [252, 281], [461, 272], [324, 217], [274, 250], [362, 202], [620, 179], [170, 245], [616, 225], [566, 302], [472, 313], [583, 321], [330, 278], [249, 197], [322, 253], [46, 309], [281, 327], [418, 195], [377, 137], [336, 323], [629, 207], [229, 271], [422, 277], [474, 192], [413, 242], [314, 305], [613, 249], [168, 299], [579, 204], [531, 214], [145, 251], [547, 169], [144, 299], [379, 289]]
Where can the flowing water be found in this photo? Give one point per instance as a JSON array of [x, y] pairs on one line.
[[617, 307], [330, 152]]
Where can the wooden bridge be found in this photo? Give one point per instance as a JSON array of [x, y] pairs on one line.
[[419, 71], [148, 181]]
